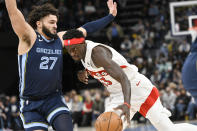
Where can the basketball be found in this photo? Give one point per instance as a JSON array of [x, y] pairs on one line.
[[108, 121]]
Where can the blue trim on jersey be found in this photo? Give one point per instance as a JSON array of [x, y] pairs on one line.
[[46, 39], [54, 112], [21, 105], [19, 69], [33, 124], [22, 70]]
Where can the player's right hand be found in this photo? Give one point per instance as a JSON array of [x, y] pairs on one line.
[[125, 111], [83, 76], [112, 7]]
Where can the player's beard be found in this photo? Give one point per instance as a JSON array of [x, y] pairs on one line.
[[48, 33]]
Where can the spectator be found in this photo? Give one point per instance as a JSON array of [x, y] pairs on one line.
[[68, 101], [90, 8], [138, 42], [134, 52], [3, 117], [181, 104], [137, 27], [169, 99], [176, 76], [153, 10], [76, 109], [115, 35], [98, 106], [87, 111], [14, 109], [125, 44]]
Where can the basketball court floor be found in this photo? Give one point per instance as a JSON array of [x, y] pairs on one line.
[[135, 127]]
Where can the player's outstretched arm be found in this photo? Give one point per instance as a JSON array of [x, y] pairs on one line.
[[102, 57], [96, 25], [20, 26]]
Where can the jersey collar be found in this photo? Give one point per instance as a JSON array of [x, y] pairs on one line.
[[46, 39]]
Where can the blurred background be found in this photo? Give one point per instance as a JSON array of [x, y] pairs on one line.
[[140, 32]]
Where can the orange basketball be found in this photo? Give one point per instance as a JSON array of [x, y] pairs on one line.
[[108, 121]]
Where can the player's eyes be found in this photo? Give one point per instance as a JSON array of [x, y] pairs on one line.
[[52, 22], [73, 49]]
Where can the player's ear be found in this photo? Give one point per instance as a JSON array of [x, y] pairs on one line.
[[39, 24]]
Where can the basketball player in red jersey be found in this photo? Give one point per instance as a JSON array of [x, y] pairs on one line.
[[129, 90]]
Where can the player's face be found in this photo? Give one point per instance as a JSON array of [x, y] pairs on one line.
[[75, 52], [49, 26]]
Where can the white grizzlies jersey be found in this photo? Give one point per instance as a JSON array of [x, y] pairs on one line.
[[101, 75]]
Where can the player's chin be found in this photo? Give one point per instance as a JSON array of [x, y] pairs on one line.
[[76, 58], [54, 32]]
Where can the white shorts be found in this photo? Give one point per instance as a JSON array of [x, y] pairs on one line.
[[143, 96]]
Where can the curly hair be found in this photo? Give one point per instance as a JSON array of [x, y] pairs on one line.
[[41, 11], [73, 33]]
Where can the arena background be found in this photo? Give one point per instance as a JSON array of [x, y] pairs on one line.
[[142, 34]]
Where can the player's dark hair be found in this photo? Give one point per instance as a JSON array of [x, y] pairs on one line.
[[40, 12], [73, 33]]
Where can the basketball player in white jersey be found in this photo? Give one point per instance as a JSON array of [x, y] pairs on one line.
[[129, 90]]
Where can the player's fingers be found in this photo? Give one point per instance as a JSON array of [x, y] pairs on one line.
[[110, 3], [115, 4], [118, 107], [122, 114], [128, 118]]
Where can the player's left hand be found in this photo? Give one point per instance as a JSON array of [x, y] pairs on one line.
[[83, 76], [112, 7], [125, 111]]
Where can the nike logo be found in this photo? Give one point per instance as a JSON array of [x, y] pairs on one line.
[[138, 83]]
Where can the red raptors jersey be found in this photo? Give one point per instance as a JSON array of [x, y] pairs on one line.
[[100, 74]]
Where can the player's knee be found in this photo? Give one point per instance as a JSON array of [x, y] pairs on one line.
[[62, 122]]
